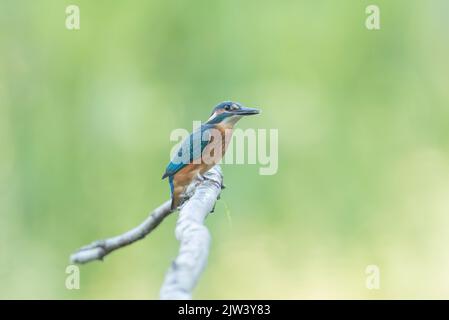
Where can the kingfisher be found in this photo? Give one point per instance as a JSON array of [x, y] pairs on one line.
[[203, 148]]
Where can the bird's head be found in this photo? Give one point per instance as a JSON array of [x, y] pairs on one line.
[[229, 112]]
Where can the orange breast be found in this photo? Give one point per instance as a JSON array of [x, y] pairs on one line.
[[211, 156], [186, 174], [216, 149]]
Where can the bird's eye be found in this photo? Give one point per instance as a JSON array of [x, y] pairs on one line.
[[228, 107]]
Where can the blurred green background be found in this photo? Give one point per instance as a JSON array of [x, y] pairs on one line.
[[363, 120]]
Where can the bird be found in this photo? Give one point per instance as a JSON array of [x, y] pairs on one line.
[[203, 148]]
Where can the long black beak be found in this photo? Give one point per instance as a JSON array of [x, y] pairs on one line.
[[244, 111]]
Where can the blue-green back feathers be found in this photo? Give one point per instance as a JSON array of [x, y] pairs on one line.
[[194, 145]]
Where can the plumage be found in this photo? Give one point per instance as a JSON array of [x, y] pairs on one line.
[[200, 147], [194, 144]]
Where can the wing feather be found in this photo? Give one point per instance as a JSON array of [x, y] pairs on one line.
[[200, 137]]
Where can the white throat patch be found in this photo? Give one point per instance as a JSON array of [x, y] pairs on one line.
[[212, 116], [232, 119]]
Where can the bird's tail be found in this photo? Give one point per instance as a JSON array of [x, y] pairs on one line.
[[175, 201], [174, 204]]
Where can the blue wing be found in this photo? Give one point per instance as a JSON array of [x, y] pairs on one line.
[[193, 145]]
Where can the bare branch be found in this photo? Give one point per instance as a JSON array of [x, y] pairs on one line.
[[194, 238], [182, 276], [99, 249]]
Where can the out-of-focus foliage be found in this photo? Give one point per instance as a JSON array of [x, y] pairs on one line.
[[363, 119]]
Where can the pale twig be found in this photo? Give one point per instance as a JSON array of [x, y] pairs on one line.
[[194, 237], [97, 250]]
